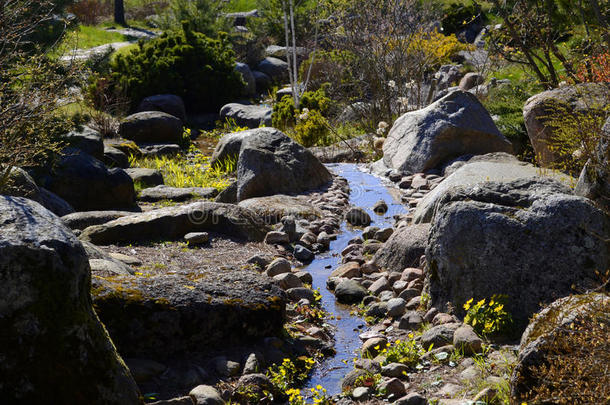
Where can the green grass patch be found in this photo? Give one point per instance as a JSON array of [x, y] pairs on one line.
[[234, 6], [187, 171], [87, 36]]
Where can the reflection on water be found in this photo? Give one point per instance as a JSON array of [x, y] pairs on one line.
[[366, 190]]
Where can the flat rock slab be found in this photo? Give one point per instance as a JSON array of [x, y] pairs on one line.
[[85, 219], [273, 208], [162, 192], [161, 315], [172, 223]]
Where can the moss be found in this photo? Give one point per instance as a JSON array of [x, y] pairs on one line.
[[233, 301]]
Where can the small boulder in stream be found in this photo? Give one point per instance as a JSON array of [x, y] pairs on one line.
[[350, 292]]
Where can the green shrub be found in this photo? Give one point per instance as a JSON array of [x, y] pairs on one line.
[[284, 113], [312, 129], [202, 16], [316, 100], [507, 102], [407, 352], [189, 64]]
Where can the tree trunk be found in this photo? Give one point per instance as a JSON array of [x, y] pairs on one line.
[[119, 12]]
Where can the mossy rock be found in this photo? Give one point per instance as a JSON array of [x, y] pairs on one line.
[[52, 345], [159, 316]]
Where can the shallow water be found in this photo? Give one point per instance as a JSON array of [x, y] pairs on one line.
[[366, 190]]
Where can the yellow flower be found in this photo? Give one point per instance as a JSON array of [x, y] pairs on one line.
[[498, 308]]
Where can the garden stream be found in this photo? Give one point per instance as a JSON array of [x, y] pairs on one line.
[[366, 190]]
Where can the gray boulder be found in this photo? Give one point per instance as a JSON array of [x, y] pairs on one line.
[[272, 163], [104, 265], [471, 80], [146, 177], [247, 115], [163, 315], [20, 184], [491, 167], [87, 185], [529, 239], [453, 126], [350, 292], [167, 103], [152, 127], [275, 68], [47, 319], [86, 139], [54, 203], [404, 248], [229, 145], [585, 98], [279, 52], [115, 158], [594, 180], [263, 82], [249, 80], [175, 222], [85, 219]]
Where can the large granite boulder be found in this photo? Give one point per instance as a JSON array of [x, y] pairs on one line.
[[594, 180], [247, 115], [529, 239], [175, 222], [161, 315], [152, 127], [453, 126], [490, 167], [565, 350], [272, 163], [167, 103], [52, 345], [86, 184], [541, 110], [404, 248]]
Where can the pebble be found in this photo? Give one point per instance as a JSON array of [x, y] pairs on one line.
[[197, 238]]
